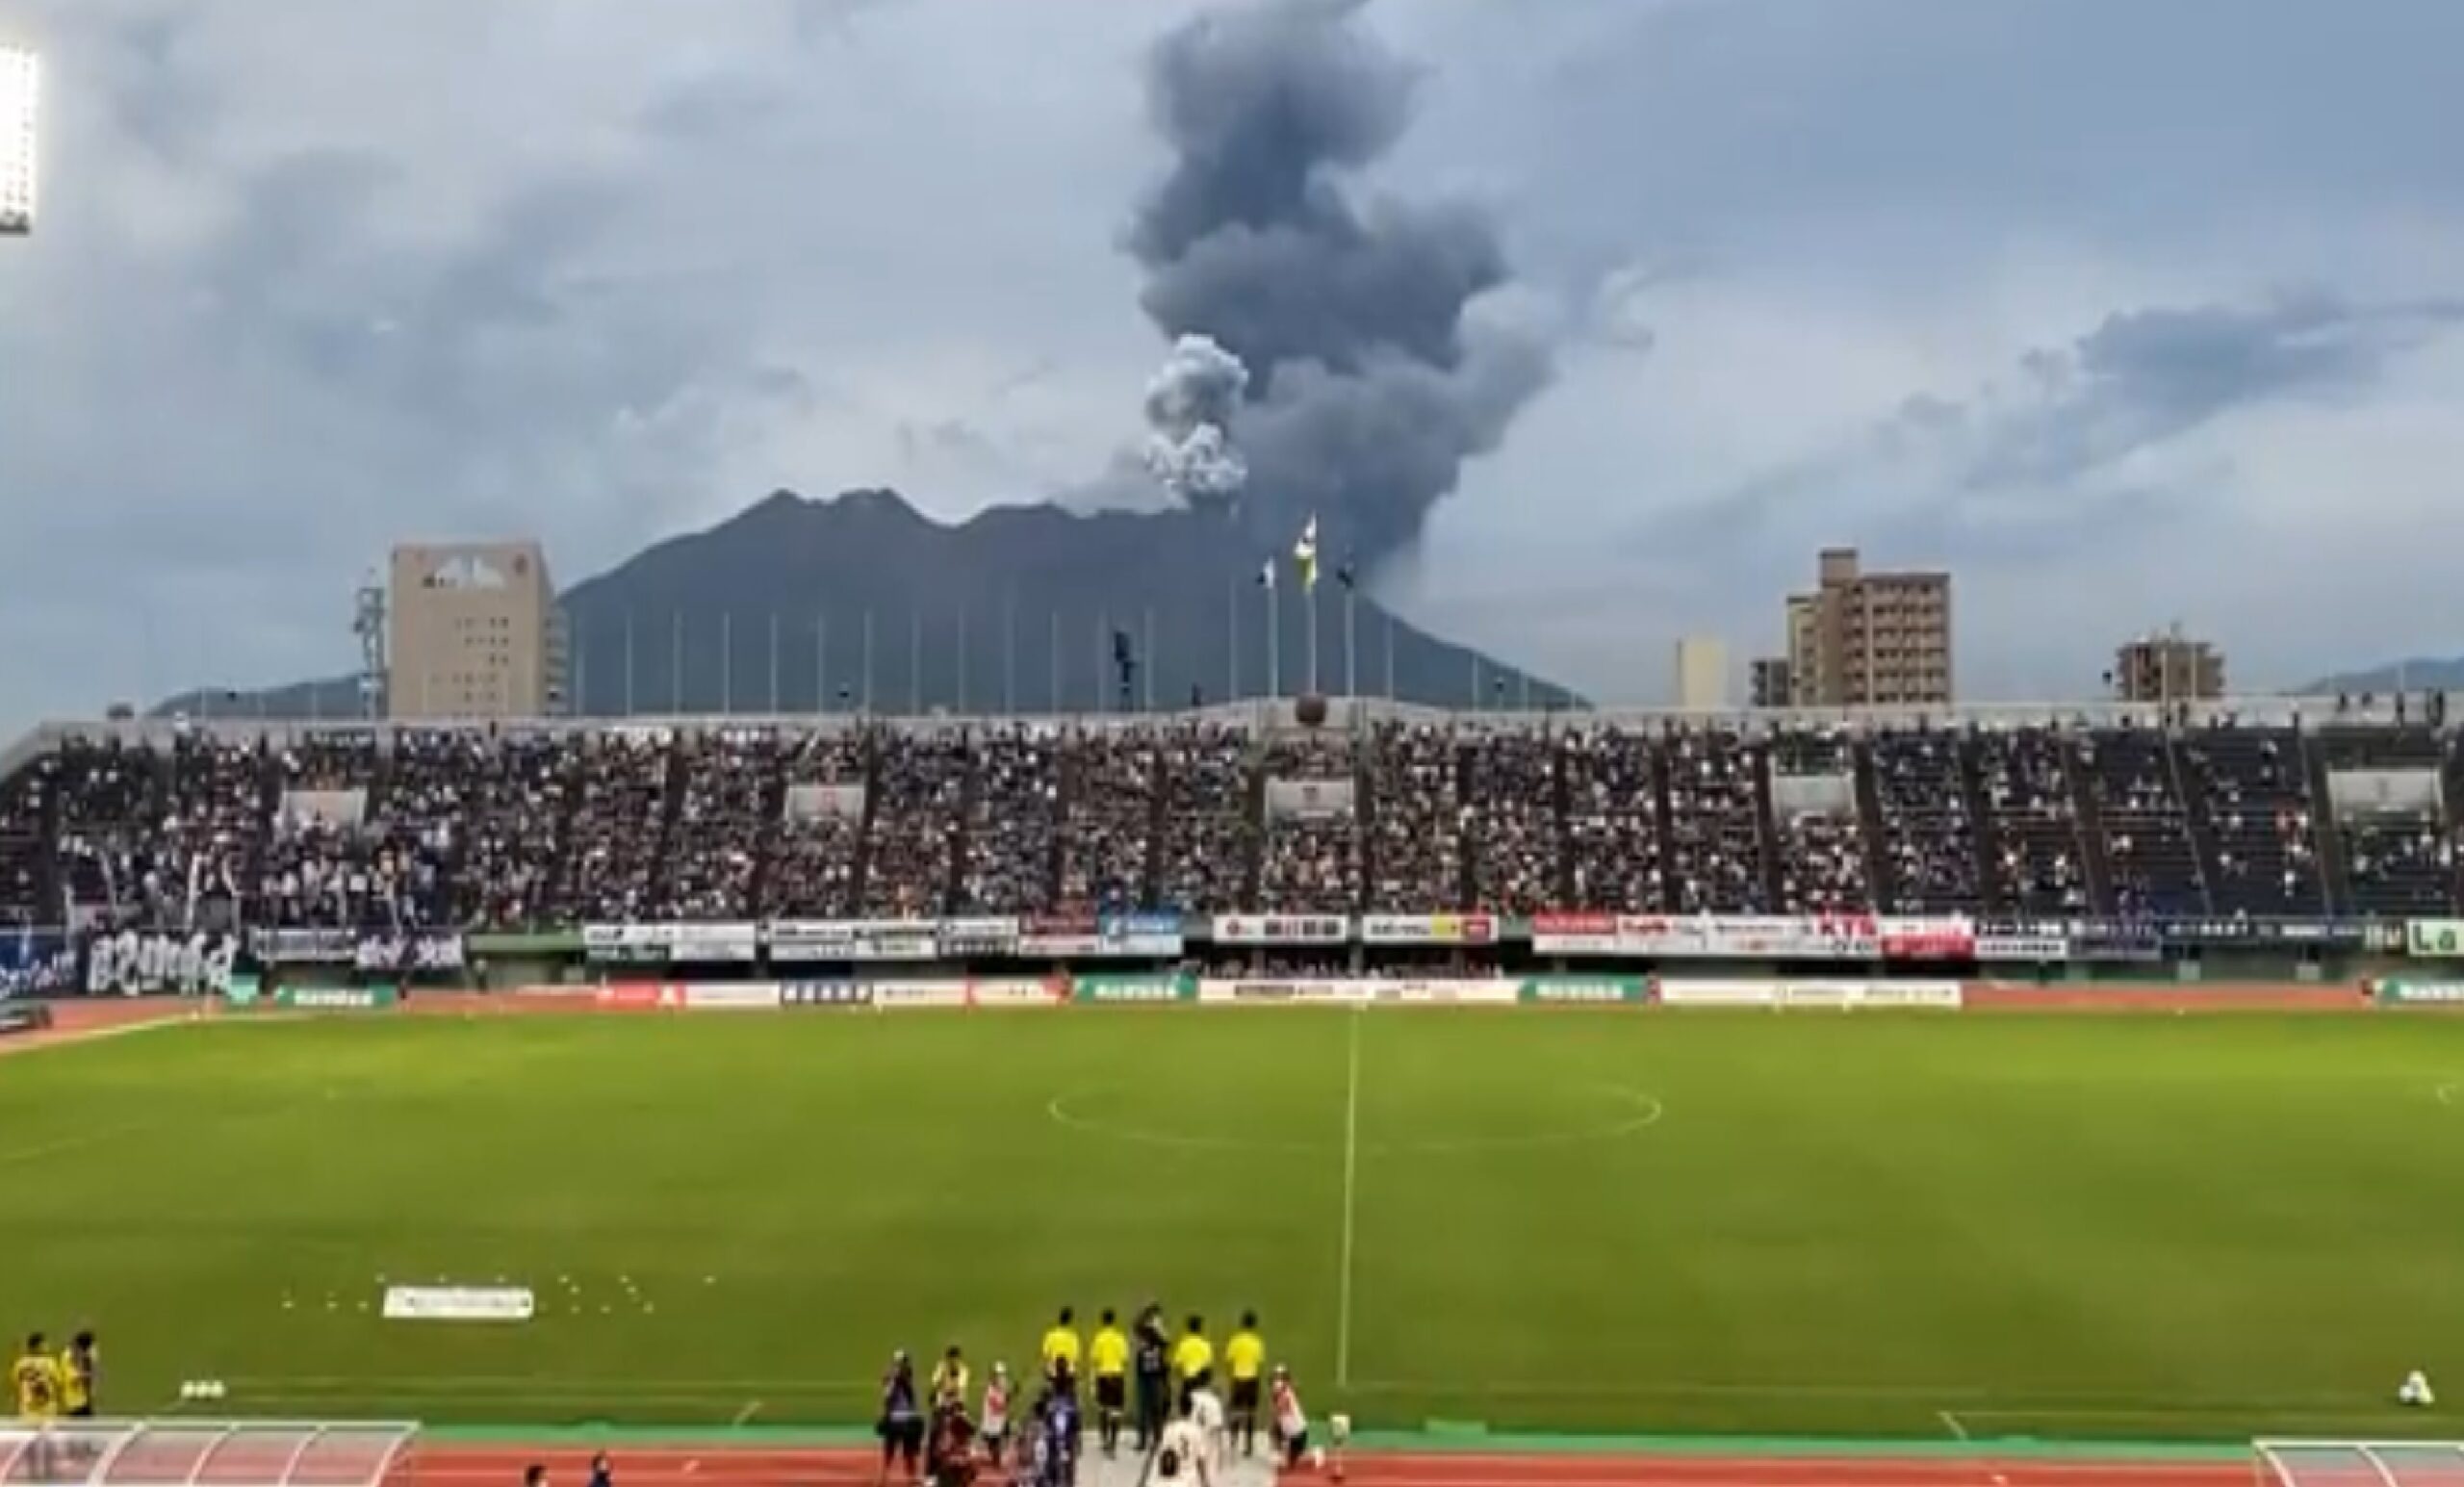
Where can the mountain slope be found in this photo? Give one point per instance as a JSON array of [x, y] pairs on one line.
[[1014, 609]]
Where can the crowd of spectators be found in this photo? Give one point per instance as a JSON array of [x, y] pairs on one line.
[[1715, 823], [1818, 834], [422, 828], [1614, 850], [2149, 857], [1512, 805], [1417, 816], [1013, 832], [1311, 856], [2041, 866], [1108, 851], [1929, 861]]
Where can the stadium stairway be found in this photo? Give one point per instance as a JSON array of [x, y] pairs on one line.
[[2091, 817], [2330, 829]]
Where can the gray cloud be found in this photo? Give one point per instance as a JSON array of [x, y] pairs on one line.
[[1370, 387]]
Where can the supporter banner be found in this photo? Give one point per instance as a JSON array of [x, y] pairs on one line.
[[1546, 989], [1428, 929], [1938, 995], [1282, 928], [1465, 991], [305, 947], [1141, 936], [825, 993], [1308, 800], [731, 996], [2417, 993], [1574, 933], [1133, 988], [2435, 939], [853, 939], [459, 1303], [336, 998], [1017, 992], [919, 993], [421, 953], [129, 963], [976, 938], [2033, 948], [37, 963]]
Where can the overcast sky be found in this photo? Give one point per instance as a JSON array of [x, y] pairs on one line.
[[2126, 311]]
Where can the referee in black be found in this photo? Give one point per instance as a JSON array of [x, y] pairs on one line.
[[1151, 1349]]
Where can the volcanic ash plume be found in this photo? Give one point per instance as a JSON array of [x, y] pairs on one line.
[[1367, 384], [1190, 406]]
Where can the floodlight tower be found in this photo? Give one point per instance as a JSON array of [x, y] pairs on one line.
[[20, 109]]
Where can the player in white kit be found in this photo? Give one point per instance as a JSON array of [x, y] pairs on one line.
[[1291, 1425], [1190, 1448]]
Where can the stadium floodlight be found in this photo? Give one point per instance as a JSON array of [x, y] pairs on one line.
[[20, 109]]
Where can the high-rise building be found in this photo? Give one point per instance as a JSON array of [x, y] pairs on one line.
[[1773, 686], [472, 632], [2167, 668], [1701, 673], [1869, 639]]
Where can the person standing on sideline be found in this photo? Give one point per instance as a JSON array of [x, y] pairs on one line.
[[901, 1421], [1192, 1360], [1154, 1366], [1108, 1358], [601, 1475], [1245, 1359], [1061, 1350]]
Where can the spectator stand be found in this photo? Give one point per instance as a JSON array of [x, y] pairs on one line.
[[1311, 842], [2136, 808], [1928, 851], [1616, 841], [1717, 824], [1817, 827]]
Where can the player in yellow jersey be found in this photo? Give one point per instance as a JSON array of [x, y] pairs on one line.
[[78, 1368], [1245, 1359], [1192, 1360], [950, 1381], [1061, 1348], [37, 1381], [1107, 1359]]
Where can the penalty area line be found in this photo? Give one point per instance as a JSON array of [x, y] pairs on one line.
[[1951, 1422]]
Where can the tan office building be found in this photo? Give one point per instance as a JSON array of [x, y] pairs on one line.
[[473, 630], [1701, 673], [1869, 639], [2168, 667]]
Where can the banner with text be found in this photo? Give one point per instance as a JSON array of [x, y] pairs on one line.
[[1455, 929], [980, 939], [418, 953], [853, 939], [1133, 988], [825, 993], [1282, 928], [2400, 992], [1546, 990], [1844, 995], [2435, 939]]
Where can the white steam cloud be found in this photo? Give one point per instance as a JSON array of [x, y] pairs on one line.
[[1190, 406]]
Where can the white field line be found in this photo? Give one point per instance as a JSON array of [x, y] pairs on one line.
[[2445, 1093], [44, 1042], [77, 1142], [1351, 1190], [744, 1415], [1959, 1432]]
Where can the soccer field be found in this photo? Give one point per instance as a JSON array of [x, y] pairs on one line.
[[1872, 1224]]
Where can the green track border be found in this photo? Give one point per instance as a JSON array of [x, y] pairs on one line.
[[1468, 1441]]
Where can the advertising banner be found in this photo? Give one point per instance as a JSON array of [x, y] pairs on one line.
[[1017, 992], [336, 998], [1574, 933], [731, 996], [1281, 990], [2030, 949], [1060, 937], [1926, 940], [305, 947], [892, 995], [2400, 992], [1444, 991], [625, 945], [2434, 939], [1133, 988], [1938, 995], [1454, 929], [714, 944], [1544, 990], [1282, 928], [1155, 936], [980, 939], [425, 952], [638, 995], [825, 993], [853, 939], [459, 1303]]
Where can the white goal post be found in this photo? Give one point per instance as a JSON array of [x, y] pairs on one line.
[[2297, 1463], [181, 1452]]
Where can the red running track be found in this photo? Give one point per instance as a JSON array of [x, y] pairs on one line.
[[502, 1466]]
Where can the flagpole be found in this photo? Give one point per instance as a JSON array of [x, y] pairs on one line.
[[914, 661], [1390, 656], [962, 658], [1309, 596], [1275, 643], [774, 663], [1146, 664], [629, 663], [727, 662], [820, 663], [1103, 628], [1052, 683], [1351, 640], [1009, 653], [868, 660], [675, 666]]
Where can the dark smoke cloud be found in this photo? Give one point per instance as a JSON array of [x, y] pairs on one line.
[[1368, 383]]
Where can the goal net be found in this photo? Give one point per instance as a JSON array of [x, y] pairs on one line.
[[2360, 1463], [206, 1453]]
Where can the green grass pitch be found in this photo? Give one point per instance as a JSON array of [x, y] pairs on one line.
[[1903, 1225]]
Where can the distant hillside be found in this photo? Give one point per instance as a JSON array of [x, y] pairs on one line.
[[1013, 608], [2416, 676]]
